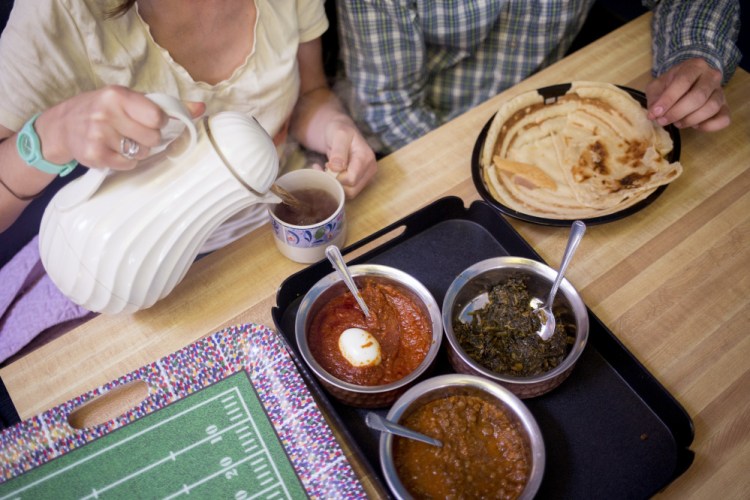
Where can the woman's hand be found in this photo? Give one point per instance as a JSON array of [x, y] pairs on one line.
[[320, 123], [92, 126], [349, 156], [689, 95], [89, 128]]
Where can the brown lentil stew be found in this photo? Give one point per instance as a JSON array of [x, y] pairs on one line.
[[484, 454], [502, 335]]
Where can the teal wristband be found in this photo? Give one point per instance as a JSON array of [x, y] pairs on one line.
[[30, 150]]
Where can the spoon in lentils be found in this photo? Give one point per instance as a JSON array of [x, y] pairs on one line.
[[375, 421]]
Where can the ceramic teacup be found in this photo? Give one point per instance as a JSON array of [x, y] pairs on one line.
[[306, 242]]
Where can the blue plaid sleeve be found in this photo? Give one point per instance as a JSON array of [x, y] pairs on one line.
[[684, 29], [384, 59]]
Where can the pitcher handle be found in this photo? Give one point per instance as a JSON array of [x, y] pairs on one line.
[[174, 108], [91, 180]]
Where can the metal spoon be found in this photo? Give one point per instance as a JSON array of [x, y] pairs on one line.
[[375, 421], [544, 312], [334, 255]]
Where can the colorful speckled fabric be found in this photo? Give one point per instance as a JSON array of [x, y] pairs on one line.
[[308, 441]]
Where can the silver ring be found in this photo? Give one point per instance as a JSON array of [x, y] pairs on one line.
[[129, 148]]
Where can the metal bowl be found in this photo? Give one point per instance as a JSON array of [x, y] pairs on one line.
[[461, 384], [330, 286], [464, 294]]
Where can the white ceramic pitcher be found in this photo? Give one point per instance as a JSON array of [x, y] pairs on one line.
[[119, 241]]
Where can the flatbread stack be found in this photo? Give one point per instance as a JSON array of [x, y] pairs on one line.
[[590, 153]]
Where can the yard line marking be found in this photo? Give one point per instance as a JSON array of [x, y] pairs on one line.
[[274, 466], [273, 493], [186, 488], [126, 440], [172, 456]]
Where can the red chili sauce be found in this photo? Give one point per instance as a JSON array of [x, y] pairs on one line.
[[398, 323], [483, 454]]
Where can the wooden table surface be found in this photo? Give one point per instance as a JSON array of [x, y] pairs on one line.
[[671, 282]]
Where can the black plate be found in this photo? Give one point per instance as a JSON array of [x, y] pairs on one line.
[[550, 95], [610, 430]]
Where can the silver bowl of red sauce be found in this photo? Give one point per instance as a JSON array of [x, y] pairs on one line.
[[492, 446], [405, 322], [490, 356]]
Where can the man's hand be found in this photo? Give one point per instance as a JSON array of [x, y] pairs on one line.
[[689, 95]]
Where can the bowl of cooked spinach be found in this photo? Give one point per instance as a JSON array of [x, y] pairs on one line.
[[491, 328]]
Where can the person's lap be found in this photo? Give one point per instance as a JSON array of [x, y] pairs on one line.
[[21, 327]]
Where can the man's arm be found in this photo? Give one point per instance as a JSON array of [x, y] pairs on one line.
[[694, 54], [384, 58], [686, 29]]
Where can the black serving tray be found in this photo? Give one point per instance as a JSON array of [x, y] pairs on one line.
[[611, 430]]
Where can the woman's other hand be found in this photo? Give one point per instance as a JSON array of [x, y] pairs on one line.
[[349, 156], [320, 123]]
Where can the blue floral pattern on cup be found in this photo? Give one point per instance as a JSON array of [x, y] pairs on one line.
[[309, 237]]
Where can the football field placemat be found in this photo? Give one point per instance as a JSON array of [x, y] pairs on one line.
[[226, 417]]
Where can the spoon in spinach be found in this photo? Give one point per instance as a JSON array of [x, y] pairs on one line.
[[544, 311]]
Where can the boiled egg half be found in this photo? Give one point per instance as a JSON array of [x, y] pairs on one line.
[[359, 347]]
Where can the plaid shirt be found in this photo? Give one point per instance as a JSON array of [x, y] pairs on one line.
[[412, 65]]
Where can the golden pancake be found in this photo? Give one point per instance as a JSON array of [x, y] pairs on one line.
[[590, 152]]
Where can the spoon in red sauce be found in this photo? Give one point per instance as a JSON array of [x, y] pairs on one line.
[[334, 255]]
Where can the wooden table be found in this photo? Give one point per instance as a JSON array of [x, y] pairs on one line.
[[672, 281]]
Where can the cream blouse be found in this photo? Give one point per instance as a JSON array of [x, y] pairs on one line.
[[52, 50]]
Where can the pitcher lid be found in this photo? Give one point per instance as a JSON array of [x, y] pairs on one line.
[[246, 149]]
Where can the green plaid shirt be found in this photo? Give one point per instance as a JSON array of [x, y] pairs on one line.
[[415, 64]]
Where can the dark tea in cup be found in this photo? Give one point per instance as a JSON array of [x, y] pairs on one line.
[[303, 228], [315, 206]]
